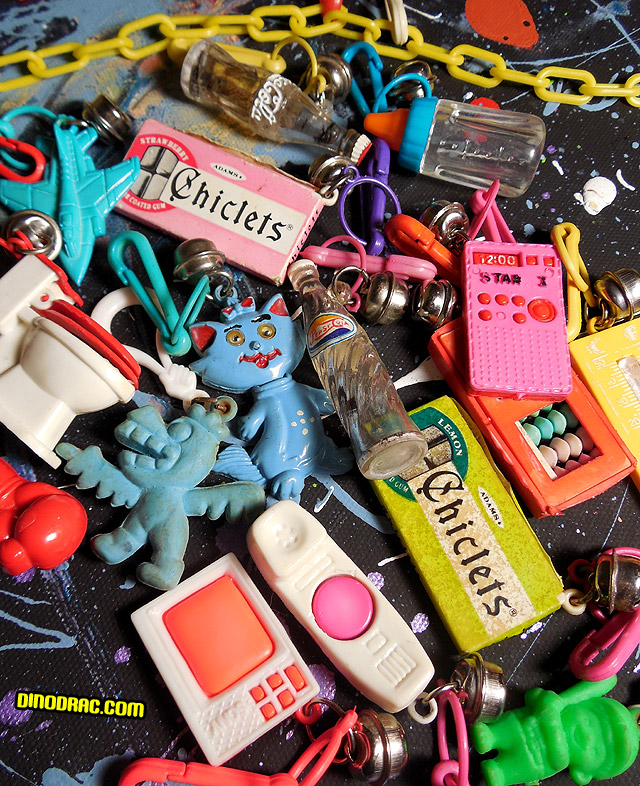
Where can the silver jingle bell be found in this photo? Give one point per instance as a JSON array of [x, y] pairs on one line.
[[111, 122], [385, 299], [41, 231], [409, 90], [619, 295], [338, 76], [330, 173], [198, 258], [449, 222], [483, 686], [434, 302], [385, 751], [617, 581]]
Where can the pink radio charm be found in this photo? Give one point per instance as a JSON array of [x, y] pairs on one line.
[[515, 320]]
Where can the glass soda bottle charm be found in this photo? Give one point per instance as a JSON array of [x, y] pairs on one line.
[[269, 105], [385, 440]]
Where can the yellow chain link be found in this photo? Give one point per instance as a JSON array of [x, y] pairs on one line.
[[266, 24]]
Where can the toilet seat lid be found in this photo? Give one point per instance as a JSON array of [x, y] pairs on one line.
[[94, 336]]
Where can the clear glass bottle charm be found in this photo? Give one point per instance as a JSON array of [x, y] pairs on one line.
[[269, 105], [385, 440]]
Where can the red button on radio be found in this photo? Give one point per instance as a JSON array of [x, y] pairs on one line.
[[542, 310]]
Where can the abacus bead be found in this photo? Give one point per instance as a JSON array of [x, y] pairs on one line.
[[549, 455], [572, 420], [533, 432], [558, 421], [587, 442], [546, 429], [575, 444], [562, 448]]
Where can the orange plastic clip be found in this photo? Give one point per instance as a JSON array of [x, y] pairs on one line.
[[26, 149], [416, 240]]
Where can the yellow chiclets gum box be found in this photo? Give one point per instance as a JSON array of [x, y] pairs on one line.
[[476, 554]]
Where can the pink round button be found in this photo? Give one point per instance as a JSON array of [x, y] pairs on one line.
[[342, 607]]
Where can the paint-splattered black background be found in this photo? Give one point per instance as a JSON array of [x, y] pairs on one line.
[[69, 632]]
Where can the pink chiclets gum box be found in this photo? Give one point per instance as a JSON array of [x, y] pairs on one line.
[[188, 187]]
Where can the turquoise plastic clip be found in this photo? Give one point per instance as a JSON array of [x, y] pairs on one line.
[[171, 324], [375, 74]]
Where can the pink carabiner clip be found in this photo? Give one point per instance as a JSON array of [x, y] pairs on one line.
[[615, 641], [26, 149], [448, 771], [489, 217], [603, 652]]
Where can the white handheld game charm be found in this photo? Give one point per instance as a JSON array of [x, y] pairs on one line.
[[354, 624], [225, 657]]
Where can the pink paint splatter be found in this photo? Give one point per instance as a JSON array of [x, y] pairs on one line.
[[419, 623]]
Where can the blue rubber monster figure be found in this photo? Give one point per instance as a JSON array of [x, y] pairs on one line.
[[156, 477], [257, 350]]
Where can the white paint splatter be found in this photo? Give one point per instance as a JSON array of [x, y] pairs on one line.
[[322, 502], [598, 193], [558, 167], [425, 372], [386, 561], [623, 181], [528, 230]]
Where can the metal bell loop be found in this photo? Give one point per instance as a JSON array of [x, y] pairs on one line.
[[385, 299], [330, 173], [111, 122], [199, 258], [617, 580], [41, 231], [338, 77], [449, 222], [383, 745], [618, 294], [434, 302], [410, 90], [481, 687]]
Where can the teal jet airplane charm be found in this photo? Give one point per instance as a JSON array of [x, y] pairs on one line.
[[74, 193]]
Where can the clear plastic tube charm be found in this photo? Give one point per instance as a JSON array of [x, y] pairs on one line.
[[385, 440], [267, 104]]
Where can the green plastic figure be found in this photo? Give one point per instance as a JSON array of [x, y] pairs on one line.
[[594, 737]]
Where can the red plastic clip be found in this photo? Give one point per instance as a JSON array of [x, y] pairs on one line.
[[195, 774], [415, 239], [448, 771], [26, 149]]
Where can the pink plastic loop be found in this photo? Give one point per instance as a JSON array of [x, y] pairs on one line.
[[353, 307], [450, 772], [488, 216]]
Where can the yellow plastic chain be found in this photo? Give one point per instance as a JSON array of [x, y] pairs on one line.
[[274, 23], [566, 239]]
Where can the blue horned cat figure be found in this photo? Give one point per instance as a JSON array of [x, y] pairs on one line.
[[251, 349]]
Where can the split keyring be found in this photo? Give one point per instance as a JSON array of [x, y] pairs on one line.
[[359, 181]]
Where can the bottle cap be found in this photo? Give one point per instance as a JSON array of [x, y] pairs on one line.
[[405, 130]]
